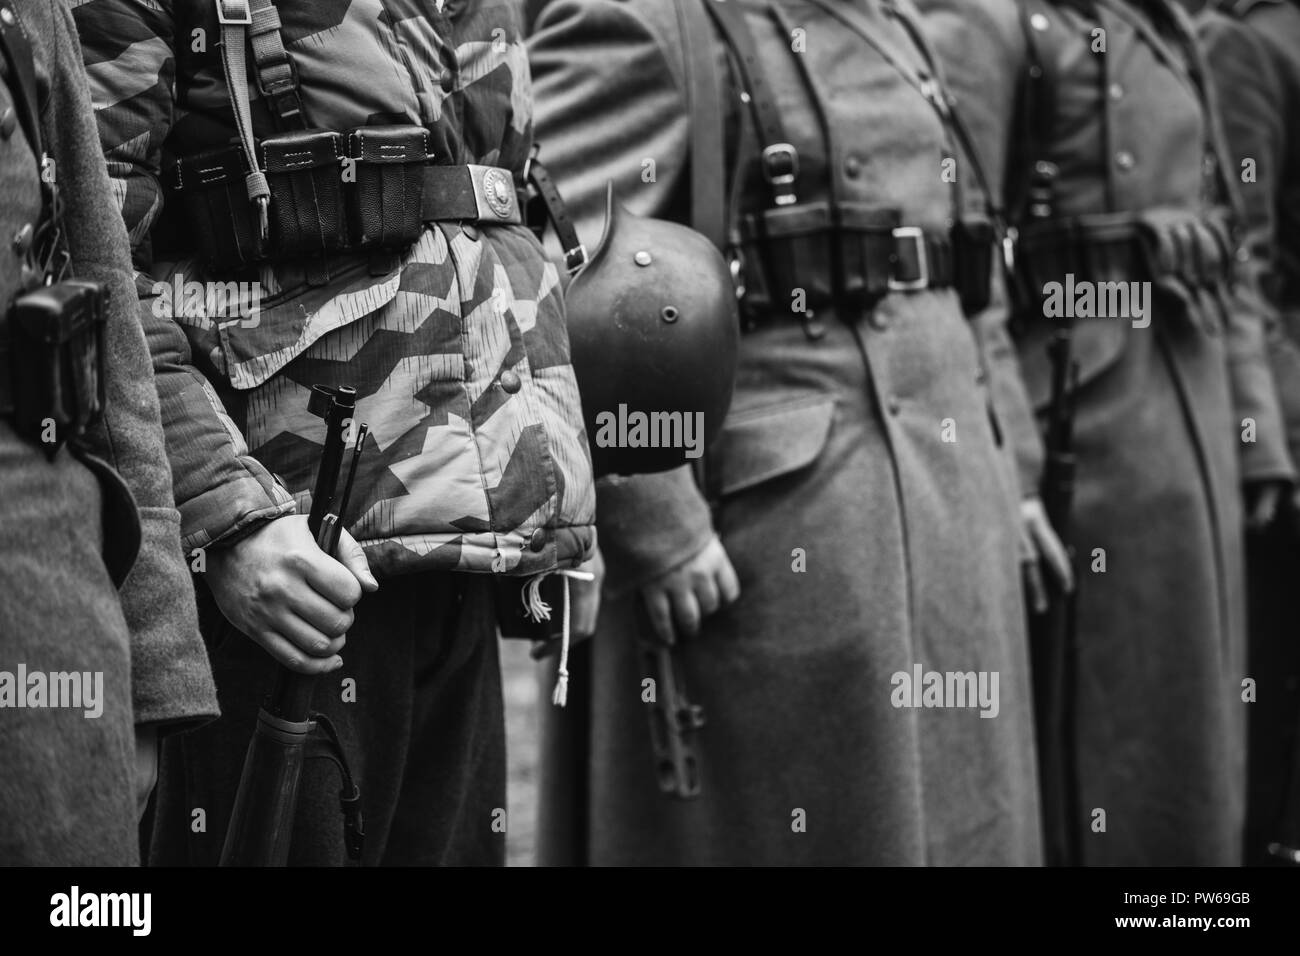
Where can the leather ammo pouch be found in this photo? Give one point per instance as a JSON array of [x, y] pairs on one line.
[[792, 247], [306, 183], [865, 250], [973, 240], [1197, 249], [384, 205], [215, 198], [57, 359]]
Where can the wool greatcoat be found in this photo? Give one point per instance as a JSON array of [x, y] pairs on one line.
[[1254, 50], [834, 450], [1161, 428], [67, 780]]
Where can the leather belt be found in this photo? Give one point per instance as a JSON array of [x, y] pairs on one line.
[[483, 193]]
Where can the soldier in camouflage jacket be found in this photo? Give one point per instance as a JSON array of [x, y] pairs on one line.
[[477, 460]]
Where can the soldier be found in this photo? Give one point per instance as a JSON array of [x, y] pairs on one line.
[[863, 529], [378, 223], [99, 645], [1099, 117], [1254, 51]]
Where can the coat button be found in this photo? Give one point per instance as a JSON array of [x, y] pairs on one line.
[[446, 80], [470, 231], [510, 382], [1038, 22], [893, 404], [852, 167], [8, 121], [1125, 160], [538, 541], [1116, 91]]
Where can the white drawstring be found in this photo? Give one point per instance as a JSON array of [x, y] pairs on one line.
[[538, 610]]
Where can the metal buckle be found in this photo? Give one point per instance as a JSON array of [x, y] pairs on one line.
[[771, 156], [580, 250], [922, 281], [494, 194], [234, 13]]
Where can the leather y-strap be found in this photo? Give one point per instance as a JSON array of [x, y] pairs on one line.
[[704, 102], [234, 17], [780, 161]]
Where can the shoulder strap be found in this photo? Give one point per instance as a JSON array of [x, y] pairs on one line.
[[704, 102], [780, 161], [258, 22]]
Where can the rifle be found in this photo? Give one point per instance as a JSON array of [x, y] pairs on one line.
[[1052, 634], [261, 824], [674, 720]]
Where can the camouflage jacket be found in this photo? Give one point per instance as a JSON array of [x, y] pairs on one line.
[[477, 458]]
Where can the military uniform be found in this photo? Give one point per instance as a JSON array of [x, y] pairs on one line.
[[1253, 51], [67, 523], [477, 459], [834, 448], [1171, 418]]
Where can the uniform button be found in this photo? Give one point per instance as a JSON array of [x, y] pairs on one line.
[[852, 167], [7, 17], [893, 404], [446, 80], [1116, 91], [8, 120], [510, 382], [878, 319], [538, 541], [470, 231], [1124, 159], [23, 240], [1038, 22]]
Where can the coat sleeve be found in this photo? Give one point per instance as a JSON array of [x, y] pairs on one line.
[[221, 492], [610, 108], [170, 678], [1256, 132]]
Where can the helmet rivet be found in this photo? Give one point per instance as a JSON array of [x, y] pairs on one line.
[[643, 258], [669, 313]]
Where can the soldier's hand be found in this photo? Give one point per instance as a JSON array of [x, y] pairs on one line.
[[1039, 545], [585, 596], [281, 590], [689, 592]]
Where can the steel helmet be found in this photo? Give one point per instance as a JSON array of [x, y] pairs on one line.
[[653, 331]]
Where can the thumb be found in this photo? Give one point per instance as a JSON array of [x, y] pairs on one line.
[[350, 555]]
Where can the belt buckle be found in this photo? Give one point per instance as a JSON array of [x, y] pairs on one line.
[[922, 280], [234, 13], [788, 156], [494, 194]]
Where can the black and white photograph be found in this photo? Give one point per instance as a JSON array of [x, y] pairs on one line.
[[631, 435]]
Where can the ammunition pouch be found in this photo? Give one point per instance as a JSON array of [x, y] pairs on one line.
[[316, 209], [306, 208], [386, 203], [853, 255], [215, 200], [54, 366], [1167, 247], [973, 244]]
